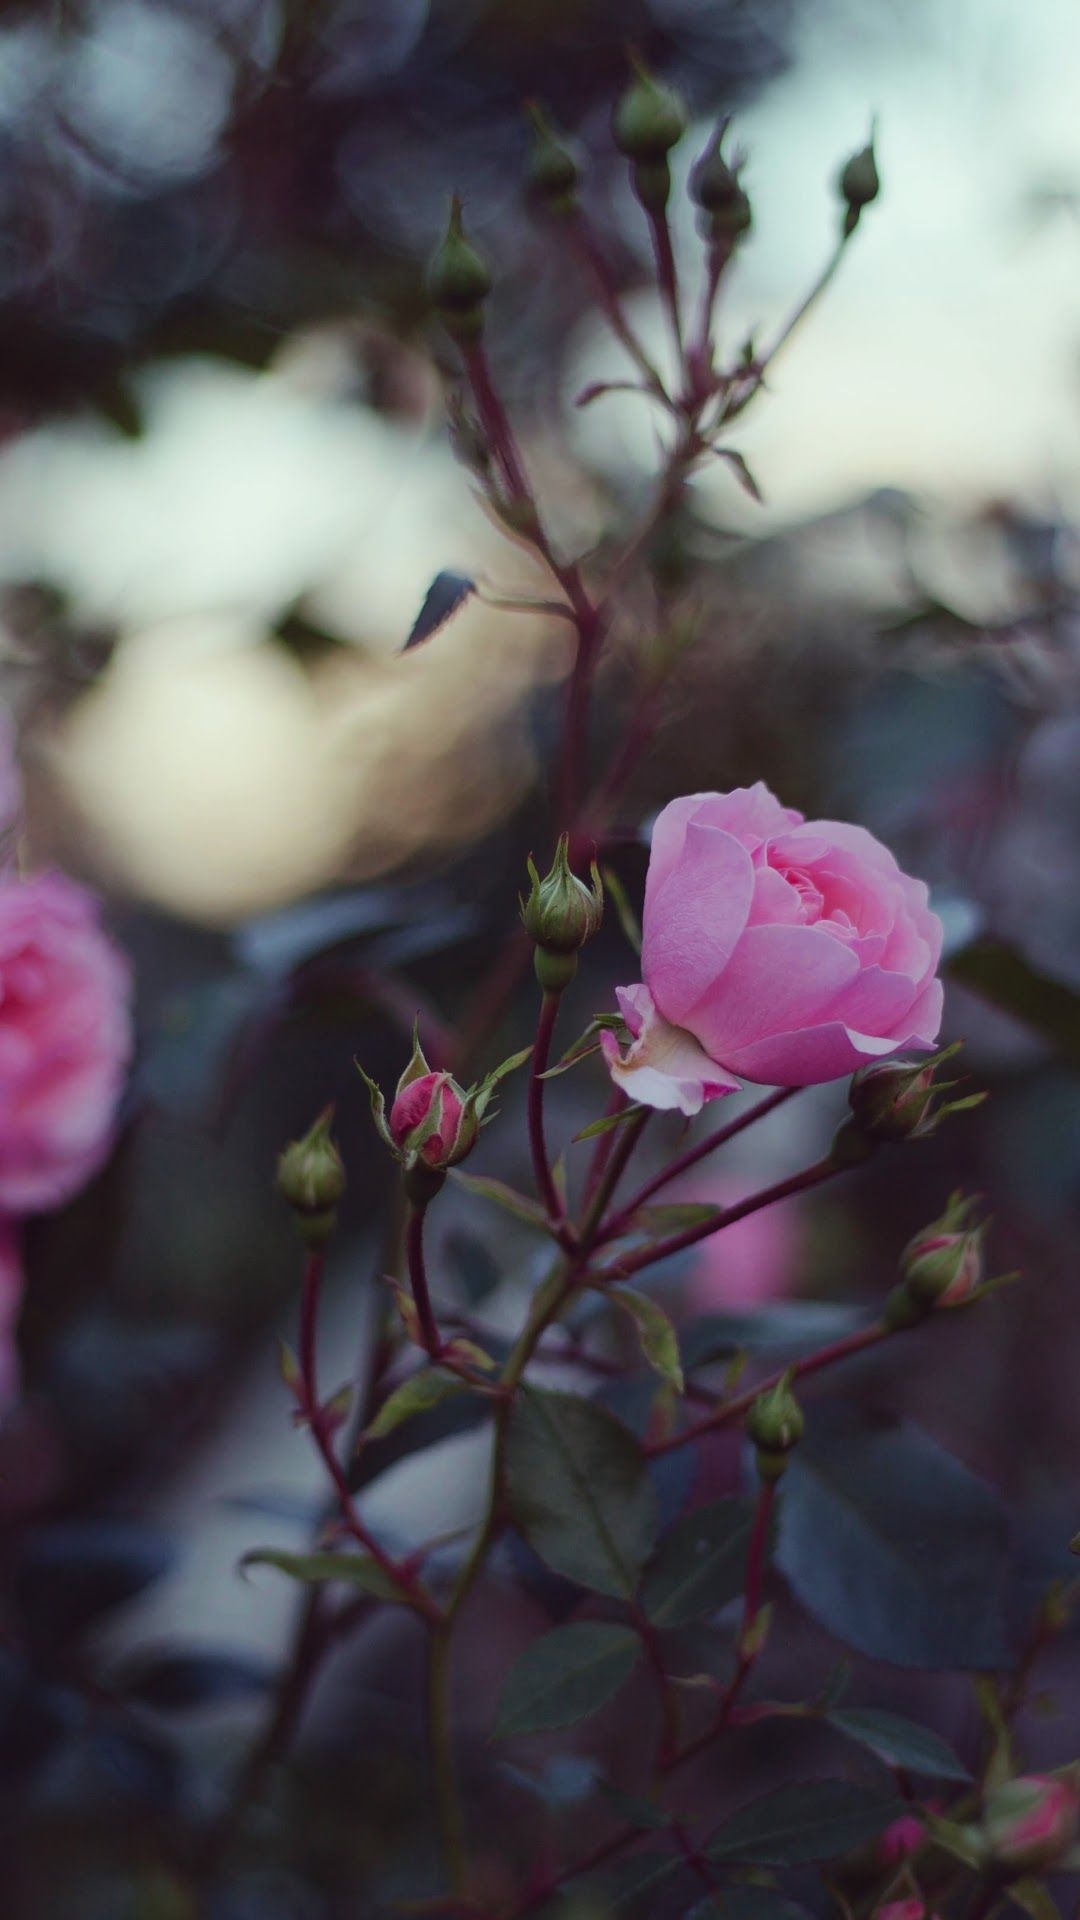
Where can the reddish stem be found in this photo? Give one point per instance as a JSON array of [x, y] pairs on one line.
[[589, 252], [414, 1245], [700, 1152], [630, 1263], [545, 1179], [667, 274], [756, 1556]]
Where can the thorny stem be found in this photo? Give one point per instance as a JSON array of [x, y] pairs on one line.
[[541, 1054], [414, 1245]]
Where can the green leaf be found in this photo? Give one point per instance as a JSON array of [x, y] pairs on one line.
[[501, 1195], [659, 1342], [899, 1742], [1000, 974], [579, 1490], [893, 1545], [673, 1217], [794, 1826], [700, 1565], [354, 1569], [624, 912], [608, 1122], [565, 1676], [1033, 1898], [420, 1391]]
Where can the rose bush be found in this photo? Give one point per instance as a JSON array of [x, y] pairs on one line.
[[776, 949], [65, 1039]]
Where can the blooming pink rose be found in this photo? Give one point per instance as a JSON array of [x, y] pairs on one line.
[[785, 950], [65, 1038], [11, 1293]]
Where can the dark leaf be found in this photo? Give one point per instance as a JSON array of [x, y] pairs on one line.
[[817, 1820], [472, 1263], [1000, 974], [566, 1675], [700, 1565], [797, 1327], [894, 1546], [458, 1414], [447, 592], [418, 1394], [899, 1742], [619, 1888], [67, 1575], [579, 1490], [173, 1681], [501, 1195], [659, 1342]]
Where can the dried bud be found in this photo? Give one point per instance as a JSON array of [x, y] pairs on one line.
[[943, 1265], [553, 172], [561, 913], [649, 119], [775, 1424], [895, 1099], [311, 1177], [1031, 1823], [458, 280], [859, 184], [715, 186]]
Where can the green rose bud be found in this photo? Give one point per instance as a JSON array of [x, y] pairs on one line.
[[715, 187], [552, 173], [775, 1424], [560, 914], [458, 280], [649, 119], [311, 1177], [859, 184], [943, 1265]]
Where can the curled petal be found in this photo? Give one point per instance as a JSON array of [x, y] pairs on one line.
[[664, 1066]]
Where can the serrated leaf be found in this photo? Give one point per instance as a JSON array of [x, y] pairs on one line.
[[565, 1676], [313, 1569], [659, 1342], [608, 1122], [894, 1546], [899, 1742], [579, 1490], [741, 471], [417, 1394], [794, 1826], [500, 1195], [700, 1565]]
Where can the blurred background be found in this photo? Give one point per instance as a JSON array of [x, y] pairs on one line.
[[226, 488]]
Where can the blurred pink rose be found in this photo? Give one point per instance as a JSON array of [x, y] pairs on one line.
[[11, 1292], [65, 1038], [900, 1838], [788, 951], [751, 1262]]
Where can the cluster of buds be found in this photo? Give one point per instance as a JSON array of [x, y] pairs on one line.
[[895, 1100], [560, 914], [715, 187], [858, 184], [311, 1177], [649, 121], [775, 1425], [433, 1122]]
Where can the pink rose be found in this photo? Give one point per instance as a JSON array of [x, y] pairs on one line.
[[785, 950], [65, 1038], [11, 1293]]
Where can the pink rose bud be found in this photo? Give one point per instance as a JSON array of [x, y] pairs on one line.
[[776, 949], [900, 1838], [65, 1039], [1031, 1823], [429, 1117], [943, 1265], [893, 1100]]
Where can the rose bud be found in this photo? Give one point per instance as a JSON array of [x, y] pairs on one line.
[[311, 1177], [715, 187], [1030, 1824], [552, 173], [859, 183], [895, 1099], [458, 280], [900, 1838], [430, 1118], [560, 914], [943, 1265], [775, 1425], [649, 119]]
